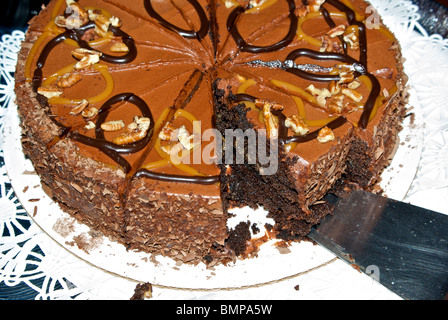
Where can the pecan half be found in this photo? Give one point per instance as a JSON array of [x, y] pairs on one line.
[[77, 16], [259, 103], [80, 107], [355, 84], [270, 121], [334, 88], [314, 5], [320, 94], [168, 132], [330, 44], [297, 125], [115, 22], [119, 47], [352, 38], [352, 94], [87, 58], [136, 131], [325, 135], [172, 148], [89, 113], [67, 80], [49, 91], [336, 31], [90, 125], [339, 105], [346, 77], [114, 125], [186, 139], [102, 24]]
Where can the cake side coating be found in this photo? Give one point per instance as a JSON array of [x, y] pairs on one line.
[[217, 63]]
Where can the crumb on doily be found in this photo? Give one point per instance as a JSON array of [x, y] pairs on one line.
[[142, 291]]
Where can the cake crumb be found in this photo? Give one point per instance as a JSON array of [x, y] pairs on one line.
[[142, 291]]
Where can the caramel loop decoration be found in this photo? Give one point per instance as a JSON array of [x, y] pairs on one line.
[[245, 47], [190, 34], [101, 68]]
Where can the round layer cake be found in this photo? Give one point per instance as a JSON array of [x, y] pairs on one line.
[[150, 120]]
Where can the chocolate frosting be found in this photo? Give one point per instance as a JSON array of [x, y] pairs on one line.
[[115, 151]]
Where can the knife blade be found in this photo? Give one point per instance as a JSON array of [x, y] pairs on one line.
[[402, 246]]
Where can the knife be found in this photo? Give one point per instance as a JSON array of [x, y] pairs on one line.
[[402, 246]]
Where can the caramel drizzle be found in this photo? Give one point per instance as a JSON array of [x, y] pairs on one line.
[[111, 149]]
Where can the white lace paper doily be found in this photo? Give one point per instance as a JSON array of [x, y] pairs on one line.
[[64, 275]]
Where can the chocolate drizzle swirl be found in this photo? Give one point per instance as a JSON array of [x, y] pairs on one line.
[[356, 65], [245, 47], [317, 55], [359, 66], [177, 178], [190, 34], [76, 35], [111, 149], [351, 19]]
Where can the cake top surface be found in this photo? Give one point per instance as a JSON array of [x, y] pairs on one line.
[[132, 82]]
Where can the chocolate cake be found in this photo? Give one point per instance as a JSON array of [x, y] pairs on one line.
[[151, 120]]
